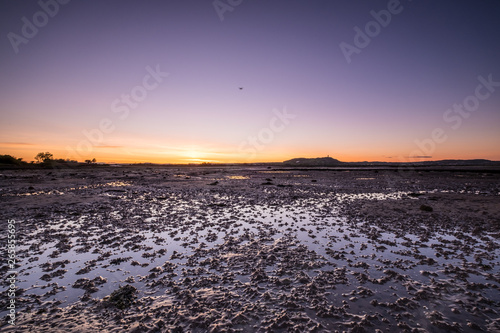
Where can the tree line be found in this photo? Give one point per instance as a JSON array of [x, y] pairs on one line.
[[42, 158]]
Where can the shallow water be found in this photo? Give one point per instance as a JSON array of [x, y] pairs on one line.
[[174, 228]]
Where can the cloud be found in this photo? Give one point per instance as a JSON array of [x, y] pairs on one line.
[[112, 147], [16, 144], [424, 156]]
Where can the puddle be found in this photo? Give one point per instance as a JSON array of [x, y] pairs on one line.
[[70, 189]]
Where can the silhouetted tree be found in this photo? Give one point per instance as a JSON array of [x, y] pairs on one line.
[[44, 157]]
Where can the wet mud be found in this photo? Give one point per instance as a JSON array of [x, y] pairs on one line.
[[252, 249]]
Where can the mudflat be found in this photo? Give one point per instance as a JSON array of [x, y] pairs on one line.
[[252, 249]]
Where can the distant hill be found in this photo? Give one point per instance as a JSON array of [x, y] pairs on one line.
[[462, 162], [331, 162], [319, 161]]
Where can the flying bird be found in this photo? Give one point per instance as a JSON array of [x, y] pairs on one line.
[[241, 88]]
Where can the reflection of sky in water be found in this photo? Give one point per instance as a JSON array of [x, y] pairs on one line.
[[370, 196], [238, 177], [70, 189], [181, 225]]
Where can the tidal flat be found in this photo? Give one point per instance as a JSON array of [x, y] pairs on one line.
[[252, 249]]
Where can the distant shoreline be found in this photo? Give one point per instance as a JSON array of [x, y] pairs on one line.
[[273, 167]]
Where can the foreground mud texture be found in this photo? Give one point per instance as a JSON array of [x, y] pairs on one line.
[[252, 249]]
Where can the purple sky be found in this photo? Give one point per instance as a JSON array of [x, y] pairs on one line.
[[68, 79]]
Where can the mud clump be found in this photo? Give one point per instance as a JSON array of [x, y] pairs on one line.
[[123, 297], [426, 208]]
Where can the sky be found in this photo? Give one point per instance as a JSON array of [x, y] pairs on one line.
[[188, 81]]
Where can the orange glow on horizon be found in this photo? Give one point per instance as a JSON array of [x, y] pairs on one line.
[[197, 155]]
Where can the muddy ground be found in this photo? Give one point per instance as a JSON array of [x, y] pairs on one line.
[[252, 249]]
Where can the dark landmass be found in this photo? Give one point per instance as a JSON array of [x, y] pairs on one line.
[[319, 161], [331, 162], [473, 165]]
